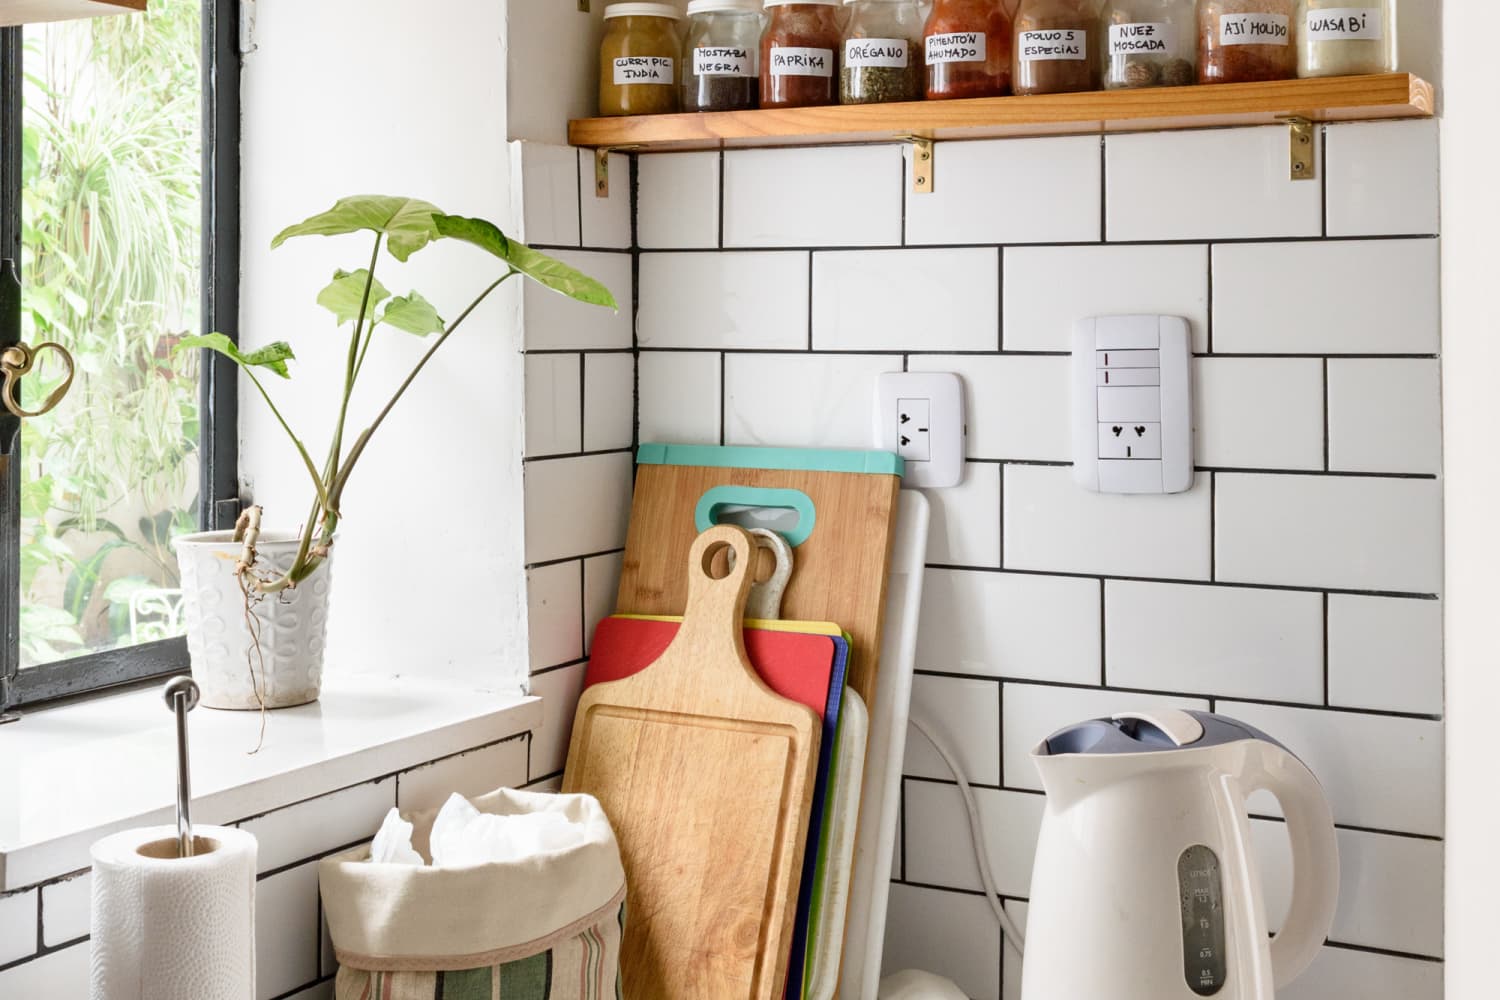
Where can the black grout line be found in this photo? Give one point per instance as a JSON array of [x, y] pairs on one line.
[[721, 200], [559, 248], [1039, 245], [1103, 190], [578, 188], [305, 986], [1232, 584], [1326, 699], [1213, 526], [1320, 136], [555, 667], [1210, 307], [723, 396], [1325, 415], [546, 351], [544, 563], [536, 459], [583, 411], [43, 951], [810, 284], [907, 150], [960, 353], [1103, 637]]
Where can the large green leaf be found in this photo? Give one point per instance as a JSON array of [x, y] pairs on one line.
[[413, 314], [273, 356], [346, 292], [547, 271], [406, 222]]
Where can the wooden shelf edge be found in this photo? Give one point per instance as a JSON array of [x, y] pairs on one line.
[[1349, 98], [17, 12]]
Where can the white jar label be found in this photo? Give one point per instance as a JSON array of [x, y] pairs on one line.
[[644, 69], [1043, 46], [884, 53], [1337, 24], [1254, 29], [956, 46], [724, 61], [1142, 37], [789, 60]]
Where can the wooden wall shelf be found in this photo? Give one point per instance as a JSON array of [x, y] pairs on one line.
[[1349, 98], [13, 12]]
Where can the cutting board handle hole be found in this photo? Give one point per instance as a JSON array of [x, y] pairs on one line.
[[716, 561], [789, 513]]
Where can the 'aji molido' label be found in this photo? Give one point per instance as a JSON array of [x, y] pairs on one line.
[[1062, 43], [956, 47], [1342, 24], [792, 60], [1142, 37], [1254, 29], [645, 69]]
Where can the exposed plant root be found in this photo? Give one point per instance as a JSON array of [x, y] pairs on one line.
[[247, 530]]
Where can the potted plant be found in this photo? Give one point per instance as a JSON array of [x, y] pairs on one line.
[[256, 602]]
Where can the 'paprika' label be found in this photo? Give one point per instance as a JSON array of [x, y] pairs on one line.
[[1254, 29], [789, 60], [956, 46], [1340, 24], [631, 70]]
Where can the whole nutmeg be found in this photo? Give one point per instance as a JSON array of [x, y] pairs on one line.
[[1141, 73], [1177, 73]]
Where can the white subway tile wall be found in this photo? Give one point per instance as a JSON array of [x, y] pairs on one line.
[[1293, 586]]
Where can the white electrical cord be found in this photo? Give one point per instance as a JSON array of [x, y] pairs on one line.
[[976, 836]]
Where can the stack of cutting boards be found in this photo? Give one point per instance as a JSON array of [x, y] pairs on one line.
[[713, 747]]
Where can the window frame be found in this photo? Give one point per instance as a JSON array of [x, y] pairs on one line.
[[218, 504]]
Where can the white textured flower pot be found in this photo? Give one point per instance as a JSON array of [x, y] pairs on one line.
[[293, 625]]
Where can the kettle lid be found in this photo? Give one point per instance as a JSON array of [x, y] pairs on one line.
[[1152, 731]]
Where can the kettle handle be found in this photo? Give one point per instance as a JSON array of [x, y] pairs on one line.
[[1315, 857]]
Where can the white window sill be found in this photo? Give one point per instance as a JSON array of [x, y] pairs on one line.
[[71, 774]]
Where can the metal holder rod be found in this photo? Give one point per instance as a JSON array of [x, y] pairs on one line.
[[181, 696]]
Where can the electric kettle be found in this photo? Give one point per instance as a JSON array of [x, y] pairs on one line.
[[1145, 886]]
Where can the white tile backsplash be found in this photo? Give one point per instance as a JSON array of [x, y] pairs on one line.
[[1054, 525], [1385, 653], [1232, 641], [474, 773], [755, 301], [601, 582], [554, 609], [18, 927], [1034, 712], [60, 974], [577, 506], [65, 908], [608, 401], [559, 690], [884, 299], [1048, 288], [680, 392], [965, 524], [801, 400], [1379, 772], [1259, 413], [1017, 405], [955, 932], [554, 411], [545, 185], [1336, 297], [605, 222], [286, 931], [1220, 184], [1009, 191], [1343, 972], [832, 196], [964, 714], [555, 322], [1382, 178], [1010, 625], [678, 200], [320, 825], [938, 848], [1384, 415], [1344, 532]]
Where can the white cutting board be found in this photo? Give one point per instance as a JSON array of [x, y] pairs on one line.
[[864, 938]]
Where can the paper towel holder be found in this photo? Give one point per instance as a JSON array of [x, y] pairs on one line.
[[181, 696]]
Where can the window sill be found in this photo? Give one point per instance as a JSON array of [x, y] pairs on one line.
[[71, 774]]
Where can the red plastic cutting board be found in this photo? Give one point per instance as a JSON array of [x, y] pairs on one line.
[[793, 664]]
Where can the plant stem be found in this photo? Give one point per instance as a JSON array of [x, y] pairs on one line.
[[312, 470], [351, 367]]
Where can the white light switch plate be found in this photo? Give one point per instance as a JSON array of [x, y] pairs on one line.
[[1132, 404], [920, 416]]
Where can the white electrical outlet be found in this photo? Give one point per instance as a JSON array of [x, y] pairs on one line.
[[1132, 404], [920, 416]]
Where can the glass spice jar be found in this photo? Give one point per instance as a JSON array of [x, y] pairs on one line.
[[799, 54], [1336, 39], [882, 52], [968, 49], [1242, 41], [638, 59], [1054, 53], [1148, 43], [721, 56]]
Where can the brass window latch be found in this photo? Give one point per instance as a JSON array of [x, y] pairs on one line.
[[15, 362]]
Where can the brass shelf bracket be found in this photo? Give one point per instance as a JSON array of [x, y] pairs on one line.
[[601, 167], [923, 162], [1304, 159]]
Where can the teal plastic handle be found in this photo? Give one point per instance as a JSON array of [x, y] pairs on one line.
[[712, 503]]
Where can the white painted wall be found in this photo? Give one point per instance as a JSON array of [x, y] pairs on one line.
[[350, 96], [1471, 356]]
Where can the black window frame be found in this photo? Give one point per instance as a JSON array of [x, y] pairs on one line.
[[218, 389]]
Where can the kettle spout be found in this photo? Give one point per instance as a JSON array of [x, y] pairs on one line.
[[1066, 778]]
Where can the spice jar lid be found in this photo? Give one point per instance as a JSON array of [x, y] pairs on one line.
[[642, 10], [810, 3], [720, 6]]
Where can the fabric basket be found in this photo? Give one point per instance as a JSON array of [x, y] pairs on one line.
[[545, 927]]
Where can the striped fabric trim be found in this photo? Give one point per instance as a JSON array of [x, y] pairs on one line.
[[609, 912]]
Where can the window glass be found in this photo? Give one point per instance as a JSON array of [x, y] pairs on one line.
[[111, 216]]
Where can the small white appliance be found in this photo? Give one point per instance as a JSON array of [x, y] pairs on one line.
[[1145, 885]]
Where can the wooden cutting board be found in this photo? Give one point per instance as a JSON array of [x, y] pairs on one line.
[[842, 563], [707, 776]]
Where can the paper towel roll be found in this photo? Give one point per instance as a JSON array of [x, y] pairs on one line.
[[170, 928]]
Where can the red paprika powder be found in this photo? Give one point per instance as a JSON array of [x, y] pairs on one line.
[[968, 49], [799, 54]]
